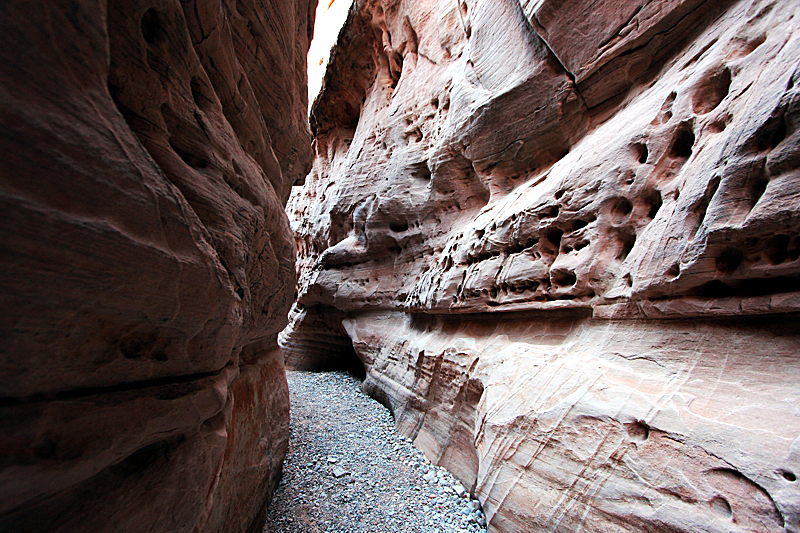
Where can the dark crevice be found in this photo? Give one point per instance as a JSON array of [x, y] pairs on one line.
[[86, 392], [534, 27], [747, 288]]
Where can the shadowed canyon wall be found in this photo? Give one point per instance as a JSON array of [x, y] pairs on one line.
[[147, 151], [564, 240]]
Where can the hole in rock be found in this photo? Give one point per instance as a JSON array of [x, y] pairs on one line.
[[777, 249], [554, 236], [578, 224], [641, 153], [701, 208], [757, 187], [398, 227], [515, 248], [674, 271], [721, 507], [350, 362], [629, 177], [152, 27], [638, 431], [789, 476], [682, 143], [654, 200], [621, 208], [770, 134], [665, 114], [627, 241], [137, 344], [421, 171], [719, 126], [580, 245], [564, 278], [550, 212], [729, 259], [711, 90]]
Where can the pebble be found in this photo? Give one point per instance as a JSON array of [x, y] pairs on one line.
[[348, 471]]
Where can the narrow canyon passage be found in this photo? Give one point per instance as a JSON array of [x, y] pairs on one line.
[[561, 237], [348, 470]]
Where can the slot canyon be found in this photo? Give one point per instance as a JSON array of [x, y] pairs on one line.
[[560, 238]]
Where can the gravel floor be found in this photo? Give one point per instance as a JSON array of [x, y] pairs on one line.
[[347, 469]]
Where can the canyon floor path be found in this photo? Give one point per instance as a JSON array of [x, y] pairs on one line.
[[348, 470]]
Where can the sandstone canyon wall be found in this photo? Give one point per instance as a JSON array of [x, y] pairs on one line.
[[564, 240], [147, 151]]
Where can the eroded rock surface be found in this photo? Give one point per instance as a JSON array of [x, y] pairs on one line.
[[147, 151], [564, 240]]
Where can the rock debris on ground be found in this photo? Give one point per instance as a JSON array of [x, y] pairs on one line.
[[348, 470]]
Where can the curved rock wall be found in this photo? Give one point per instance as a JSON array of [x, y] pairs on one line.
[[564, 240], [148, 149]]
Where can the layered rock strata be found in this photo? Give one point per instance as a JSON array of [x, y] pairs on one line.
[[564, 240], [148, 149]]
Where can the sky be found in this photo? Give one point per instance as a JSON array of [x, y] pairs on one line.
[[331, 15]]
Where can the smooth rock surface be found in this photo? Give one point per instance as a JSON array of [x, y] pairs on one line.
[[564, 240], [147, 151]]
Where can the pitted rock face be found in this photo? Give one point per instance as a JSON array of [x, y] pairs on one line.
[[564, 239], [148, 150]]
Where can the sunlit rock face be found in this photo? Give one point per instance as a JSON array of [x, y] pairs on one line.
[[564, 240], [147, 152]]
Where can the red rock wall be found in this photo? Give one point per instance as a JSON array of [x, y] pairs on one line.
[[564, 240], [147, 151]]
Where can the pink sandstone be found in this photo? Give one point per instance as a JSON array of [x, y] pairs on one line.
[[564, 240], [148, 149]]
